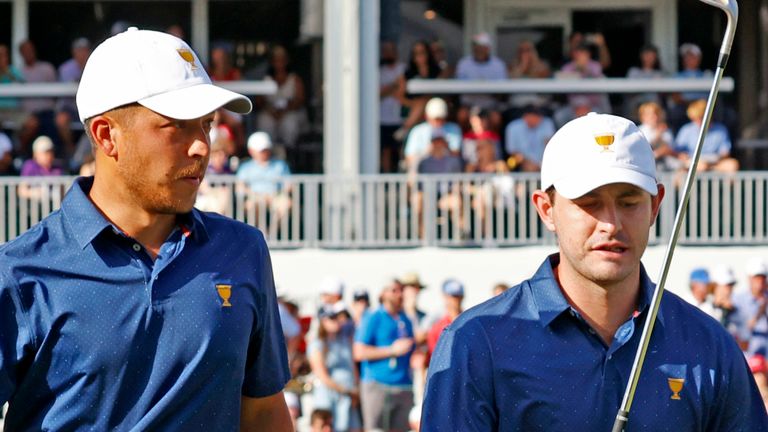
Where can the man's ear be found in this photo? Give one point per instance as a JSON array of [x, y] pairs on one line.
[[103, 131], [544, 207]]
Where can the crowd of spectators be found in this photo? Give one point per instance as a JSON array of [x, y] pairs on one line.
[[740, 309], [519, 125], [362, 365]]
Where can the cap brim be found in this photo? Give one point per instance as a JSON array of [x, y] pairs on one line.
[[573, 188], [196, 101]]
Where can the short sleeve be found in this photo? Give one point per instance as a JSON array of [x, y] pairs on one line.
[[267, 362], [15, 337], [459, 394], [315, 345], [365, 333]]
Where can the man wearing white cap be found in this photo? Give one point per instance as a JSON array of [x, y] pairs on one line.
[[555, 352], [418, 144], [752, 307], [128, 309]]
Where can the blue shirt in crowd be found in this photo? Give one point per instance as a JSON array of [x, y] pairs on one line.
[[420, 139], [263, 178], [527, 361], [717, 142], [380, 329], [747, 308], [530, 142], [94, 335]]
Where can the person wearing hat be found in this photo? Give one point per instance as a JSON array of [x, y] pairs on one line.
[[752, 305], [361, 302], [262, 178], [526, 138], [723, 308], [43, 162], [337, 381], [564, 341], [699, 284], [453, 296], [419, 140], [128, 309]]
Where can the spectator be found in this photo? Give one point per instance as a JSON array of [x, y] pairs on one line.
[[66, 110], [176, 30], [264, 176], [596, 40], [527, 64], [330, 356], [481, 65], [716, 150], [751, 307], [412, 287], [222, 68], [391, 96], [582, 66], [440, 160], [421, 65], [43, 162], [500, 288], [649, 68], [759, 368], [526, 139], [6, 156], [283, 114], [221, 142], [331, 291], [361, 302], [39, 110], [723, 307], [690, 55], [700, 288], [383, 343], [654, 126], [480, 124], [9, 107], [437, 48], [419, 139], [321, 420], [453, 296]]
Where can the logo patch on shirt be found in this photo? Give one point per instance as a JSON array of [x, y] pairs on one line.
[[604, 141], [188, 57], [225, 292], [676, 385]]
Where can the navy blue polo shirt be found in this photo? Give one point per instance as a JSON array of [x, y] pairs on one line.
[[527, 361], [94, 335]]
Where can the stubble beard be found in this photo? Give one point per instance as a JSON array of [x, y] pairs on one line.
[[155, 196]]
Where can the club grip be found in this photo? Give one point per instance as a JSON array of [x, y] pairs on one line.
[[621, 421]]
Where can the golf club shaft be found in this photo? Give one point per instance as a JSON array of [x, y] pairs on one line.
[[622, 417]]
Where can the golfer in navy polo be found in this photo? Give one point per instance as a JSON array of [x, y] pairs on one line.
[[554, 353], [127, 309]]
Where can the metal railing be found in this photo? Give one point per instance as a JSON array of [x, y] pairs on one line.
[[395, 211]]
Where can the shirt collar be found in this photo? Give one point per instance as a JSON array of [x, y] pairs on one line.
[[550, 301], [87, 222]]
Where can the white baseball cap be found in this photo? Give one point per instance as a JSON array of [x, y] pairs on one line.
[[42, 144], [259, 141], [723, 275], [332, 286], [483, 39], [436, 108], [157, 70], [757, 267], [575, 163]]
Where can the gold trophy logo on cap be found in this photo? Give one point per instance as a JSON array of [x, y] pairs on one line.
[[188, 57], [604, 140]]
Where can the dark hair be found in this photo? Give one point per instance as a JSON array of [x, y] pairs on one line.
[[433, 68], [320, 414], [651, 47], [551, 192]]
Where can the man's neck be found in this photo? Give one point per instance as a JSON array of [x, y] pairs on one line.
[[391, 309], [605, 308], [149, 229]]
